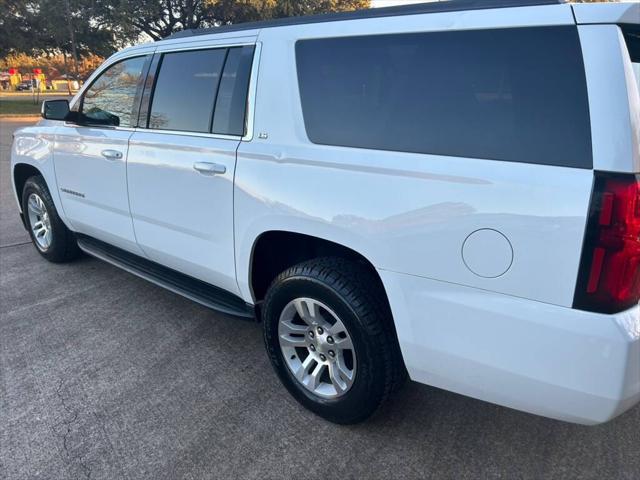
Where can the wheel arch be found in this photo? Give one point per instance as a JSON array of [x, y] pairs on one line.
[[274, 251], [21, 173], [291, 248]]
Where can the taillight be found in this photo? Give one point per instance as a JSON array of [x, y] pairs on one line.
[[609, 278]]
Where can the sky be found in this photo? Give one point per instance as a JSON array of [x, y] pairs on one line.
[[390, 3]]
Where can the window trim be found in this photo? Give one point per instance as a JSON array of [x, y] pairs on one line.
[[252, 92], [140, 90], [135, 113], [215, 97], [149, 91]]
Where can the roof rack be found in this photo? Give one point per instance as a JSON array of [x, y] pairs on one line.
[[431, 7]]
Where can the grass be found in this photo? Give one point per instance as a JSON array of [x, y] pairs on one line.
[[18, 107]]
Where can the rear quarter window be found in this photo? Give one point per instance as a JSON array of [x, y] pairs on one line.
[[511, 94]]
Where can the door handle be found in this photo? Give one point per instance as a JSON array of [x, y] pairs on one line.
[[207, 168], [111, 154]]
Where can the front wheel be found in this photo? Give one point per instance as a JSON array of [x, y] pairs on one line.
[[51, 237], [331, 340]]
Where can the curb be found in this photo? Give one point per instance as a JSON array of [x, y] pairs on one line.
[[19, 117]]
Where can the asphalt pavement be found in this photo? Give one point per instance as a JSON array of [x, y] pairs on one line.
[[106, 376]]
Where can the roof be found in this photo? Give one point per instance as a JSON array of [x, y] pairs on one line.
[[421, 8], [621, 13]]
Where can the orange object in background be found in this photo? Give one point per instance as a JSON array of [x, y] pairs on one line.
[[41, 80], [14, 78]]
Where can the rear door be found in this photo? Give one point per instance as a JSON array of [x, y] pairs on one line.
[[181, 166]]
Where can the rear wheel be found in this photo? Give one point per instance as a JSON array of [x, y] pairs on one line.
[[51, 237], [330, 338]]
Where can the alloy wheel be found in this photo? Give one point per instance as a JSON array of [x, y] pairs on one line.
[[39, 221], [317, 347]]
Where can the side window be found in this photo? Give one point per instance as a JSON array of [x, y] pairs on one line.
[[632, 37], [111, 99], [510, 94], [231, 104], [185, 90]]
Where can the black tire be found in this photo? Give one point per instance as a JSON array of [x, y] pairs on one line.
[[64, 246], [349, 290]]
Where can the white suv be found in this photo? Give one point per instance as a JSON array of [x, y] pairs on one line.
[[448, 190]]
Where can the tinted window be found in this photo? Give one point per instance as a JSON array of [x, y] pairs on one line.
[[512, 94], [232, 95], [632, 36], [185, 90], [111, 99]]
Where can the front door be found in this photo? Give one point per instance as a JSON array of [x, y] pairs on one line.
[[181, 168], [90, 156]]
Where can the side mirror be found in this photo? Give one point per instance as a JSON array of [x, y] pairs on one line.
[[55, 109]]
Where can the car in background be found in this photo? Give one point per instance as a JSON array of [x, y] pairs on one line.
[[24, 86]]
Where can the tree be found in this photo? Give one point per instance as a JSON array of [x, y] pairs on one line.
[[291, 8], [160, 18], [53, 65], [52, 26], [14, 25], [77, 29], [157, 18], [70, 28]]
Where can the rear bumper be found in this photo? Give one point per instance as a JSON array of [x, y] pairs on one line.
[[544, 359]]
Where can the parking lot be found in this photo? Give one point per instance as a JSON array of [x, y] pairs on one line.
[[106, 376]]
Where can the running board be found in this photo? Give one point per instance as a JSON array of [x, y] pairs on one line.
[[189, 287]]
